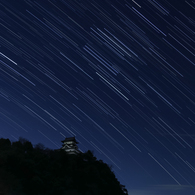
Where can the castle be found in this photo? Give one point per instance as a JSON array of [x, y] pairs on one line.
[[70, 145]]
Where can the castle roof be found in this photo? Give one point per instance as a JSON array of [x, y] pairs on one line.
[[70, 139]]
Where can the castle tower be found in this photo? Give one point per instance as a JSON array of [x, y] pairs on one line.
[[70, 145]]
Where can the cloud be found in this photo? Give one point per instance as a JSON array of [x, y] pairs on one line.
[[139, 192], [172, 187], [164, 189]]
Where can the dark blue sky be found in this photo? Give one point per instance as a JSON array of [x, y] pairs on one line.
[[118, 75]]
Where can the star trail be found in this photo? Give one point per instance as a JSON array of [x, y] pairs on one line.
[[118, 75]]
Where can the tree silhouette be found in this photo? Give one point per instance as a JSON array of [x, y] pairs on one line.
[[25, 169]]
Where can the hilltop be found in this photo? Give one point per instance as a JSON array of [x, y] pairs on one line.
[[25, 169]]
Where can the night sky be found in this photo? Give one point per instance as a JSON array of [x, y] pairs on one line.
[[119, 75]]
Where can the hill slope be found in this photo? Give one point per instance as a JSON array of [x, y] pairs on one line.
[[25, 169]]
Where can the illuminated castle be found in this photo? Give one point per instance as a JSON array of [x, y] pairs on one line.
[[70, 145]]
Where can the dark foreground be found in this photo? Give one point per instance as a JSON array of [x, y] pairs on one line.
[[25, 169]]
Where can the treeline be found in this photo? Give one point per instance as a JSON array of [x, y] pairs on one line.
[[25, 169]]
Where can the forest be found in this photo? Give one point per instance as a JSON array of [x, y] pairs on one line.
[[27, 169]]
